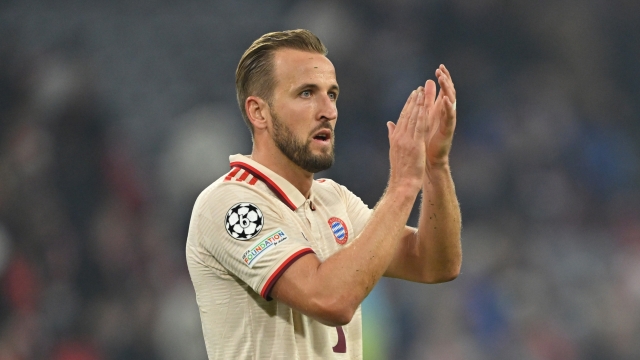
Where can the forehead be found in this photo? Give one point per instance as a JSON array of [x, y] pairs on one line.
[[294, 67]]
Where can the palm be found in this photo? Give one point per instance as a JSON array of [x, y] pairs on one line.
[[441, 119]]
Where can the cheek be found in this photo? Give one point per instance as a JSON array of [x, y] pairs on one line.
[[293, 121], [298, 116], [302, 115]]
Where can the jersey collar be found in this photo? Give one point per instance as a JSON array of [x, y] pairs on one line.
[[287, 193]]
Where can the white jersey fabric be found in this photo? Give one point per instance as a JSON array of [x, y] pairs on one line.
[[246, 229]]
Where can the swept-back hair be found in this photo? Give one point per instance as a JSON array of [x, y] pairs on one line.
[[254, 75]]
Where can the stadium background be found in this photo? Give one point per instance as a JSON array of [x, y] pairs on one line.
[[115, 114]]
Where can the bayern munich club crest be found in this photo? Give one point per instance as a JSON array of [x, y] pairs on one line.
[[339, 230], [244, 221]]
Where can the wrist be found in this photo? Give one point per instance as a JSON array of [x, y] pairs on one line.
[[403, 190], [437, 176], [439, 167]]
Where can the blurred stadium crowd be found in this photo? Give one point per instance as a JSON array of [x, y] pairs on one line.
[[114, 115]]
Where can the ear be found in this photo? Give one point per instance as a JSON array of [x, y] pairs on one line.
[[257, 111]]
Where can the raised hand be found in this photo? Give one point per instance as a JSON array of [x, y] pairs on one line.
[[441, 121], [407, 140]]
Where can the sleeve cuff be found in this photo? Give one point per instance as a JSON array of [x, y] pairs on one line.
[[266, 289]]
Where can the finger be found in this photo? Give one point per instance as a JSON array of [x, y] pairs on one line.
[[448, 122], [429, 93], [421, 124], [445, 70], [413, 120], [429, 100], [439, 74], [391, 127], [406, 112], [420, 99], [446, 83]]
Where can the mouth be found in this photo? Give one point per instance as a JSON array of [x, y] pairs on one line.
[[323, 136]]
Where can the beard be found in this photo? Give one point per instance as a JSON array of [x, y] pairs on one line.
[[298, 151]]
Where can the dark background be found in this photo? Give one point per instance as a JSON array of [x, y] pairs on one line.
[[114, 115]]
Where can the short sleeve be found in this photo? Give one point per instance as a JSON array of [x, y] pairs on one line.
[[248, 233], [359, 213]]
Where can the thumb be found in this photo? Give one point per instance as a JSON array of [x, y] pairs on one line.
[[392, 127]]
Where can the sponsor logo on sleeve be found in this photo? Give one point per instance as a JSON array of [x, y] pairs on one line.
[[244, 221], [259, 248], [339, 230]]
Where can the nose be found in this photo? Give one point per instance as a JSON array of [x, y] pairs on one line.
[[327, 109]]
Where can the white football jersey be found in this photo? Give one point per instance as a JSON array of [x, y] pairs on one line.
[[246, 229]]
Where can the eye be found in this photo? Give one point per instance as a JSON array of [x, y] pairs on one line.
[[306, 94], [333, 96]]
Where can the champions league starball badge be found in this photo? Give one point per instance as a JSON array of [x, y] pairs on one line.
[[244, 221]]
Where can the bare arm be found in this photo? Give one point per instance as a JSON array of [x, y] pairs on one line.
[[433, 253], [332, 290]]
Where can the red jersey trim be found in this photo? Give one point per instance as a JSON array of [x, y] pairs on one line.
[[244, 176], [272, 185], [232, 173], [281, 269]]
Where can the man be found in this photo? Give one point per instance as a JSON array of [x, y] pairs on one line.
[[281, 262]]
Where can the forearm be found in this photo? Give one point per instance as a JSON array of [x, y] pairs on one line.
[[332, 290], [438, 238], [352, 272]]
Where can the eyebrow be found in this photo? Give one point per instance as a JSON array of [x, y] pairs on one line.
[[333, 87]]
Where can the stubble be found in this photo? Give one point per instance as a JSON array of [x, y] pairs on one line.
[[299, 152]]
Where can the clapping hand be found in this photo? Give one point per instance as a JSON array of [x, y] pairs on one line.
[[441, 118]]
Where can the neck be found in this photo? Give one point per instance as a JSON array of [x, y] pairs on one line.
[[276, 161]]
